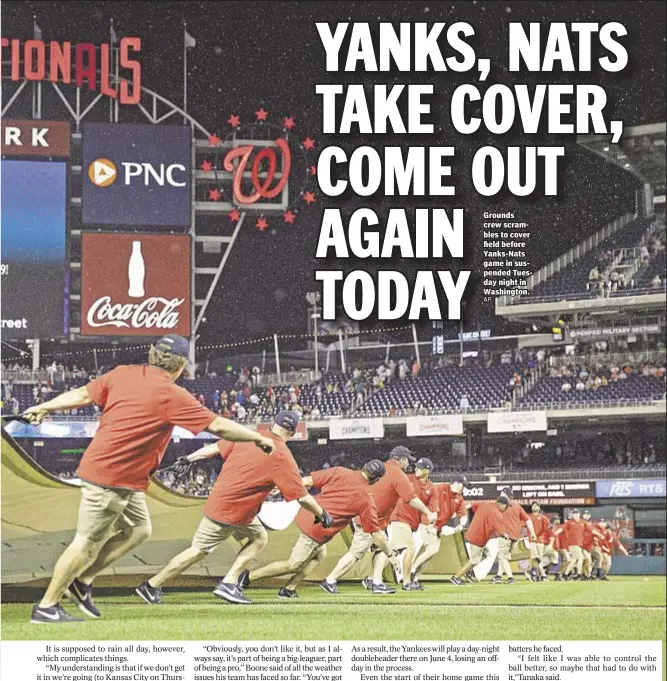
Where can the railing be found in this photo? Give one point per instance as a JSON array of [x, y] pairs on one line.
[[590, 404], [656, 357]]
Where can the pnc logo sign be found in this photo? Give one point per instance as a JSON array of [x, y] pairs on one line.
[[102, 172]]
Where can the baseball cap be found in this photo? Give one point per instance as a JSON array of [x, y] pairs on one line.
[[574, 510], [287, 419], [174, 344], [507, 491], [375, 469], [401, 452], [459, 477], [424, 463], [588, 513], [503, 499]]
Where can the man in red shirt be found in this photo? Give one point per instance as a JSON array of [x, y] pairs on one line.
[[550, 551], [245, 481], [405, 520], [141, 405], [607, 542], [344, 494], [487, 522], [561, 544], [451, 504], [590, 536], [393, 486], [575, 533], [515, 518], [542, 531]]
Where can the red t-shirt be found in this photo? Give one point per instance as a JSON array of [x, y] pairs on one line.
[[608, 541], [141, 405], [393, 486], [514, 519], [575, 532], [486, 523], [541, 526], [450, 504], [562, 537], [427, 492], [247, 478], [589, 537], [344, 494]]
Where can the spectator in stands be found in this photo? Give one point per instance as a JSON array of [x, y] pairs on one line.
[[580, 385], [566, 387], [464, 404]]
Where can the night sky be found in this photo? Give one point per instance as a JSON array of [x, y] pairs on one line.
[[252, 54]]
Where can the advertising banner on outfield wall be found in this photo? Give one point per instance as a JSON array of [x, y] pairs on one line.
[[355, 429], [516, 421], [423, 426], [577, 492], [135, 284], [136, 175], [616, 489], [35, 138]]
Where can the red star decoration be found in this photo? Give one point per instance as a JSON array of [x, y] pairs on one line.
[[313, 170], [262, 224], [234, 121], [206, 166], [235, 216], [288, 122], [308, 143], [214, 194], [214, 140], [261, 114], [309, 197], [288, 217]]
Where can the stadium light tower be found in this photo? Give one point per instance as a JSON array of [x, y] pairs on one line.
[[313, 298]]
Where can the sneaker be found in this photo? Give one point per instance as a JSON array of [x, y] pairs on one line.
[[509, 580], [82, 596], [408, 587], [382, 589], [558, 578], [456, 581], [469, 576], [328, 587], [604, 578], [151, 594], [287, 593], [497, 580], [417, 586], [243, 582], [367, 583], [231, 593], [51, 615], [544, 578]]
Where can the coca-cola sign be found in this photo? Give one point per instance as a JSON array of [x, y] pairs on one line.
[[135, 284]]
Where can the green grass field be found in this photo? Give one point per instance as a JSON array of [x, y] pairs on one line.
[[624, 608]]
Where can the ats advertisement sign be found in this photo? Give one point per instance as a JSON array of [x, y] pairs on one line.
[[135, 284], [136, 175]]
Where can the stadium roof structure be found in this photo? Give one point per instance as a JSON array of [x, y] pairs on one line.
[[640, 152]]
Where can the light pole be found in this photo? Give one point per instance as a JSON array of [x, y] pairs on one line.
[[313, 297]]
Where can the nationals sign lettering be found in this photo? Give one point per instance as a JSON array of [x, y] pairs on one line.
[[135, 284]]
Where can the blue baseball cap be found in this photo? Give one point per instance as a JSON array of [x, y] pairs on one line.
[[424, 463], [174, 344], [375, 469], [287, 419], [401, 452]]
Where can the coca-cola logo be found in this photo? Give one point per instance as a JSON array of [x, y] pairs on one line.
[[151, 313]]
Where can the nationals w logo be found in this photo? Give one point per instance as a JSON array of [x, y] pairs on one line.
[[262, 185]]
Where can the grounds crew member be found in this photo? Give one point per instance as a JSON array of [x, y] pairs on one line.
[[542, 531], [140, 405], [515, 518]]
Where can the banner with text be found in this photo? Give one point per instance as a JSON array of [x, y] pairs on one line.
[[615, 489], [424, 426], [355, 429], [35, 138], [135, 284], [516, 421], [575, 493]]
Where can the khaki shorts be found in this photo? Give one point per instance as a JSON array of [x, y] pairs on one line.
[[551, 555], [564, 555], [477, 554], [587, 556], [307, 549], [107, 510], [536, 550], [596, 556], [430, 536], [400, 536], [504, 548], [210, 533], [577, 553], [362, 543], [606, 561]]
